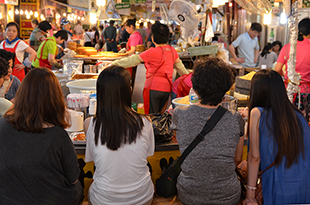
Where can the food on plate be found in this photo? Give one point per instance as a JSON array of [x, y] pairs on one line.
[[78, 136], [72, 46], [140, 48], [80, 50], [89, 52], [80, 56], [184, 100], [84, 76]]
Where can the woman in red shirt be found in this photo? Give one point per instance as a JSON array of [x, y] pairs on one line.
[[159, 63]]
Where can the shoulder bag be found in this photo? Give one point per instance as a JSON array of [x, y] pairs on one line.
[[166, 184], [242, 172]]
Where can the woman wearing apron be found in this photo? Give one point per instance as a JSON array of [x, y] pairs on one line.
[[48, 50], [159, 63], [134, 39], [14, 45]]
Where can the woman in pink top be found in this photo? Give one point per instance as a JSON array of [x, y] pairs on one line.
[[135, 37], [159, 63], [302, 63]]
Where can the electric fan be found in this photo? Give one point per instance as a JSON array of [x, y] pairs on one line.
[[186, 15]]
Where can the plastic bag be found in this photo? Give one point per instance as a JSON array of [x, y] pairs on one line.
[[161, 123]]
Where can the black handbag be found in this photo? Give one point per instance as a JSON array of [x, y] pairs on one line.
[[166, 184]]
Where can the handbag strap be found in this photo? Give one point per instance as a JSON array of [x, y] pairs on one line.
[[210, 124], [261, 172]]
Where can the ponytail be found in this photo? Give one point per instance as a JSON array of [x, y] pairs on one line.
[[266, 50], [300, 37]]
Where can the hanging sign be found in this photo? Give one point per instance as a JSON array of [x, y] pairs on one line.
[[25, 24], [134, 1], [303, 3], [122, 6]]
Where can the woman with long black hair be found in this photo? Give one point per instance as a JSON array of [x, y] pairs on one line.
[[279, 136], [267, 57], [119, 140]]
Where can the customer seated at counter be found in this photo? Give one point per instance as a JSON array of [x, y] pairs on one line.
[[208, 173], [38, 164], [9, 83], [159, 63], [118, 141]]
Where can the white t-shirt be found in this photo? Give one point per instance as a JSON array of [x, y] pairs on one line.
[[78, 29], [20, 49], [87, 36], [121, 176]]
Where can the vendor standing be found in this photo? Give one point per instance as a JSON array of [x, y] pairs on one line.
[[135, 37], [159, 63], [65, 25], [15, 45], [248, 48], [38, 34], [47, 51]]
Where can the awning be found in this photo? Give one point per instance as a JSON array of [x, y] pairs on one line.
[[74, 7]]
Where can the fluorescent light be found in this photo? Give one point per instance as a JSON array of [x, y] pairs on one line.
[[283, 18]]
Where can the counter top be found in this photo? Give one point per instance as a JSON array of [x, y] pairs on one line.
[[81, 146]]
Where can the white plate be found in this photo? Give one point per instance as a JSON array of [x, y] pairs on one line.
[[174, 101]]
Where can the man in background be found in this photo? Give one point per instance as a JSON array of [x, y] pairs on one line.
[[143, 33], [110, 37], [78, 29], [248, 48], [38, 34]]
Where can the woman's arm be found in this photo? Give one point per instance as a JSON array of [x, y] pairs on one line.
[[86, 124], [132, 50], [32, 53], [27, 62], [239, 151], [253, 156], [180, 67], [278, 68]]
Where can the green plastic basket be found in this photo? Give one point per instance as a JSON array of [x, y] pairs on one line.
[[202, 50]]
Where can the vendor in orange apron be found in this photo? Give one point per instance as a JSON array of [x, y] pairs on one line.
[[48, 50], [20, 74], [14, 45]]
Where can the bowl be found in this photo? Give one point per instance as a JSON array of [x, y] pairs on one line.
[[77, 85], [175, 102], [5, 105]]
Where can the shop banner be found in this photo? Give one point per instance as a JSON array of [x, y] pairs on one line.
[[78, 3], [12, 2], [25, 24], [303, 3], [134, 1], [122, 6]]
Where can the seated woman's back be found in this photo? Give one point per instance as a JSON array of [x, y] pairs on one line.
[[208, 173], [119, 140]]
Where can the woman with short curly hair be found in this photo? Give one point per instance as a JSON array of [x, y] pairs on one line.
[[208, 173]]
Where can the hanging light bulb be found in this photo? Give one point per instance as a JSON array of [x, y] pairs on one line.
[[36, 14], [79, 18], [16, 12], [1, 16], [82, 18], [64, 14], [41, 16], [26, 12], [21, 12], [267, 18], [31, 13], [28, 16]]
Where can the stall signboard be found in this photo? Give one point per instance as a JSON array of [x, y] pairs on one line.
[[78, 3], [122, 6], [25, 24], [134, 1], [12, 2], [303, 3]]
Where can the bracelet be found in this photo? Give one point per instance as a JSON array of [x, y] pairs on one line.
[[24, 65], [251, 187]]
